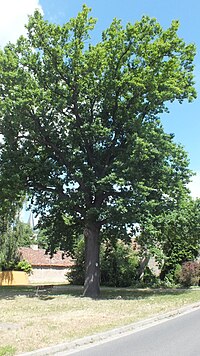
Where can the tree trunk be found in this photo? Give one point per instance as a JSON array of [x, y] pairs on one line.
[[143, 263], [92, 268]]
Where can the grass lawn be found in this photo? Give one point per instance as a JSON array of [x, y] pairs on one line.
[[29, 322]]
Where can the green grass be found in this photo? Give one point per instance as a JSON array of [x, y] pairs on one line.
[[62, 314], [7, 350]]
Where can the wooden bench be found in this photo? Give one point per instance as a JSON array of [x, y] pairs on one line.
[[46, 288]]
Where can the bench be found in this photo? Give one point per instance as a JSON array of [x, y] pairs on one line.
[[44, 288]]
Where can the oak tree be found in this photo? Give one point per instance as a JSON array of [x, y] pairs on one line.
[[81, 125]]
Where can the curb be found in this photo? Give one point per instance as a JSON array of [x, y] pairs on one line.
[[113, 333]]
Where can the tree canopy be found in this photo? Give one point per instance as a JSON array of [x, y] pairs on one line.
[[81, 127]]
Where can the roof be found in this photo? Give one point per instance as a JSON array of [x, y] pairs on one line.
[[39, 257]]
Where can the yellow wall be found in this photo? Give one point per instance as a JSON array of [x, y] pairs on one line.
[[13, 278]]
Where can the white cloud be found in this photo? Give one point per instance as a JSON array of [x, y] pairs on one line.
[[13, 17], [194, 186]]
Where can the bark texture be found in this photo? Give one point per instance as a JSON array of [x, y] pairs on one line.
[[92, 268]]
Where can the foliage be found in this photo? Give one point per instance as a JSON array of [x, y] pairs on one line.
[[81, 126], [16, 235], [11, 200], [42, 239], [176, 233], [24, 266], [23, 234], [77, 275], [10, 206], [190, 274], [149, 279], [8, 252], [118, 264]]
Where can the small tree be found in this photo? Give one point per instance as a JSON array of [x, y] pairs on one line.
[[10, 204], [17, 234]]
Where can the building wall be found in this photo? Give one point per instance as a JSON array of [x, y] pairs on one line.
[[153, 265], [13, 278], [48, 275]]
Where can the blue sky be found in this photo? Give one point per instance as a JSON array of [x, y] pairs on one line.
[[183, 120]]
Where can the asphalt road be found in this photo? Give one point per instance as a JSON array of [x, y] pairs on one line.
[[176, 337]]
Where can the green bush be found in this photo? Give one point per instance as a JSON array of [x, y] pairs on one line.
[[149, 278], [24, 266], [77, 274], [119, 263]]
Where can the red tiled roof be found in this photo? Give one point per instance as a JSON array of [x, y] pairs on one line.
[[41, 258]]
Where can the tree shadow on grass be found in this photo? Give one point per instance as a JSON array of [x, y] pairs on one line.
[[45, 293], [135, 294], [107, 293]]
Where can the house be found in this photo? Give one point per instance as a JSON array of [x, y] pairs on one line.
[[46, 269]]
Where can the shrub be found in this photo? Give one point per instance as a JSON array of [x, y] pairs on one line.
[[190, 274], [177, 273], [149, 278], [24, 266], [77, 275], [118, 264], [172, 278]]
